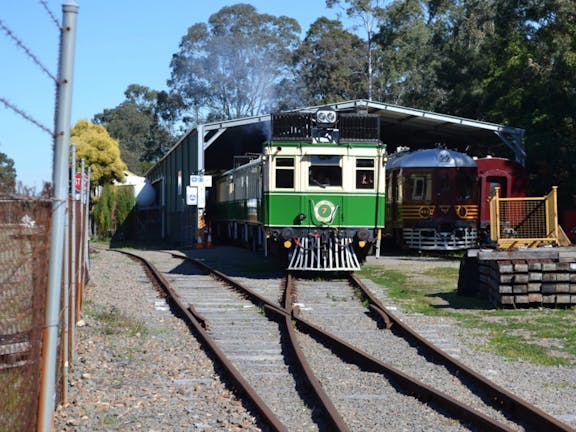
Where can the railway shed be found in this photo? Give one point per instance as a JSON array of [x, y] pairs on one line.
[[210, 148]]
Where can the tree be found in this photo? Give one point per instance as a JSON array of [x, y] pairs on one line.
[[539, 64], [7, 174], [130, 127], [143, 124], [514, 63], [100, 151], [368, 13], [328, 66], [465, 46], [405, 71], [112, 211], [230, 68]]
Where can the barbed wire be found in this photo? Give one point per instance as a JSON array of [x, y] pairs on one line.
[[26, 116], [50, 14], [29, 53]]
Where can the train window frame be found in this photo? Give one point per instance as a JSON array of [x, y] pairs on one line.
[[421, 184], [325, 171], [284, 172], [465, 182], [365, 169], [497, 181]]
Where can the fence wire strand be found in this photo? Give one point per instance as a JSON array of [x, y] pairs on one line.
[[28, 52], [50, 14], [26, 116]]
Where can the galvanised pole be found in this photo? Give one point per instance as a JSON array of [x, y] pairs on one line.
[[87, 232], [60, 183]]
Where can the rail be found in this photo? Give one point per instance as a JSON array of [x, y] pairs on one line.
[[518, 409], [526, 222], [530, 416]]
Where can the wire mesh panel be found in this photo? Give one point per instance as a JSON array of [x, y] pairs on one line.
[[24, 236], [523, 219], [526, 222]]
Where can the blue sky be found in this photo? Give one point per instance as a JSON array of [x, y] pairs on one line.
[[118, 42]]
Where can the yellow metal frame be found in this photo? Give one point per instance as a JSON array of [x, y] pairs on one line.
[[526, 222]]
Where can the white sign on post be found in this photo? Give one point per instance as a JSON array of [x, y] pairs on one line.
[[191, 195], [204, 180], [198, 185]]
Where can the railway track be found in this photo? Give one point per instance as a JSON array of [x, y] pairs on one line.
[[321, 360], [403, 351], [235, 325]]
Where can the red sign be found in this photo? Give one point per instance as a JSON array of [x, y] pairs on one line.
[[78, 182]]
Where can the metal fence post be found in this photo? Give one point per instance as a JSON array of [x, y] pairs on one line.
[[60, 183]]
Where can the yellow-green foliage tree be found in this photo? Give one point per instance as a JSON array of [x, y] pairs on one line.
[[100, 151]]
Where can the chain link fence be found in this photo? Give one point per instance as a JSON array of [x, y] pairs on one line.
[[25, 239], [24, 266]]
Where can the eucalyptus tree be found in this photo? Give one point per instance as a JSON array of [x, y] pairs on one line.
[[533, 85], [464, 41], [130, 127], [231, 67], [328, 65], [367, 13], [514, 63], [143, 124], [408, 56]]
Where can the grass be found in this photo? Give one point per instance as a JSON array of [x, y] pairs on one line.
[[112, 321], [539, 336]]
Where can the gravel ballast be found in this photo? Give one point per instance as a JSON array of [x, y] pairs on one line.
[[139, 368]]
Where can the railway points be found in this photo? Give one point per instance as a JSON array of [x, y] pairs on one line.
[[240, 263]]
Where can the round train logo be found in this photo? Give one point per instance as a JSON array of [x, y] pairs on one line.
[[324, 211], [425, 212]]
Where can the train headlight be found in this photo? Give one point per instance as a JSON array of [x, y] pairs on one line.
[[288, 244], [363, 235], [287, 233], [362, 243], [325, 117]]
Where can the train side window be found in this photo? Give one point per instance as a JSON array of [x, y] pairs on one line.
[[495, 182], [421, 187], [464, 186], [364, 173], [325, 171], [285, 173]]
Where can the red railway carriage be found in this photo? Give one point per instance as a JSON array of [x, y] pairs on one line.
[[508, 175]]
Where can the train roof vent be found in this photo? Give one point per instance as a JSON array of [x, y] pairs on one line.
[[292, 126], [359, 127]]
